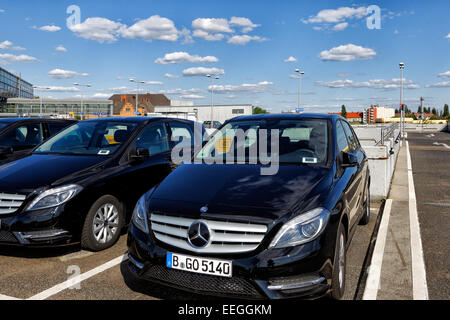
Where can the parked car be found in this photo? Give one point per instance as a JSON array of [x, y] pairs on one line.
[[20, 135], [227, 230], [83, 183], [216, 124]]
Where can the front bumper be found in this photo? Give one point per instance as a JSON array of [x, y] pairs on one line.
[[35, 228], [303, 272]]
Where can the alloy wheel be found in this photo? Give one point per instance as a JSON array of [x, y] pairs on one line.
[[106, 223]]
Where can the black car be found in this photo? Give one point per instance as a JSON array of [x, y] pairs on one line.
[[83, 183], [229, 229], [18, 136]]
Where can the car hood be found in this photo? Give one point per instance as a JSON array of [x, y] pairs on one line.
[[241, 189], [36, 171]]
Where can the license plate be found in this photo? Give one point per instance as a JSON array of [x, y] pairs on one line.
[[215, 267]]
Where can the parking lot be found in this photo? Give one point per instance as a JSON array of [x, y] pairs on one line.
[[51, 273]]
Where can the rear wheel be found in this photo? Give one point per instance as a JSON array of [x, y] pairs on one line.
[[366, 215], [340, 266], [103, 224]]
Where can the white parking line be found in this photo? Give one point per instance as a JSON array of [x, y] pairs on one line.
[[3, 297], [74, 281], [420, 289], [373, 278]]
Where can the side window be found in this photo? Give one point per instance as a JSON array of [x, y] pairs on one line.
[[181, 133], [351, 136], [341, 138], [28, 135], [153, 138], [55, 127]]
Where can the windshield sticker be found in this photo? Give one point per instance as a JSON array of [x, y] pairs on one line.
[[223, 144], [103, 152], [309, 160]]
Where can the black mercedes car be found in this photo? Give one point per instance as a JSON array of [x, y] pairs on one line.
[[221, 225], [18, 136], [83, 183]]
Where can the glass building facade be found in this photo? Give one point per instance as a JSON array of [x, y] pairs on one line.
[[12, 86]]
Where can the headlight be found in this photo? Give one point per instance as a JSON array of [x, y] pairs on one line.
[[140, 215], [54, 197], [301, 229]]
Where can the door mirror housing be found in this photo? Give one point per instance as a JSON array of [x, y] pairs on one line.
[[348, 160]]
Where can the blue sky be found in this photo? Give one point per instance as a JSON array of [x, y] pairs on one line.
[[171, 45]]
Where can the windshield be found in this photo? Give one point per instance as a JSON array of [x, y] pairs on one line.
[[302, 141], [90, 138]]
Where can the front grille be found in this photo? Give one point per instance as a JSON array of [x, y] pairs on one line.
[[202, 283], [225, 237], [9, 203], [6, 236]]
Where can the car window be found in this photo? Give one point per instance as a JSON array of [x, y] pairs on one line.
[[341, 138], [153, 138], [28, 135], [55, 127], [181, 133], [353, 143], [93, 137]]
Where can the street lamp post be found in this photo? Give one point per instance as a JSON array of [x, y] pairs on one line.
[[81, 94], [137, 94], [402, 111], [300, 80], [40, 97], [212, 77]]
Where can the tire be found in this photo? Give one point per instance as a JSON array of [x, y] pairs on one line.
[[366, 215], [103, 224], [340, 266]]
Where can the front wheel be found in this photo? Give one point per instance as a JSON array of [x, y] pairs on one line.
[[103, 224], [366, 215], [340, 265]]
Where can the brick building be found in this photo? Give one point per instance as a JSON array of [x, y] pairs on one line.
[[125, 104]]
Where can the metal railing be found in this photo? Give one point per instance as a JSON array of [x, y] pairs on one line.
[[388, 132]]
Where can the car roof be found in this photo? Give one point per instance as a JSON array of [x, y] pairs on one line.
[[139, 119], [12, 120], [290, 116]]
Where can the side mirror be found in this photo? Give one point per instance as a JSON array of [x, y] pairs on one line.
[[349, 160], [140, 154]]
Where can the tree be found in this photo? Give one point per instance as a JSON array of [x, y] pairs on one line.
[[434, 111], [419, 110], [446, 112], [258, 110], [344, 111]]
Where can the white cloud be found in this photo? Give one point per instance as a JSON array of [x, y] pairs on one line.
[[245, 23], [62, 89], [290, 59], [153, 83], [65, 74], [181, 57], [152, 28], [8, 45], [260, 87], [444, 74], [180, 91], [342, 74], [2, 10], [171, 76], [212, 25], [50, 28], [201, 71], [374, 84], [337, 15], [101, 95], [448, 36], [444, 84], [61, 48], [7, 58], [98, 29], [347, 52], [244, 39], [192, 96], [340, 26]]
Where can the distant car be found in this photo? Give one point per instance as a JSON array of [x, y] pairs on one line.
[[20, 135], [82, 184], [216, 124], [225, 229]]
